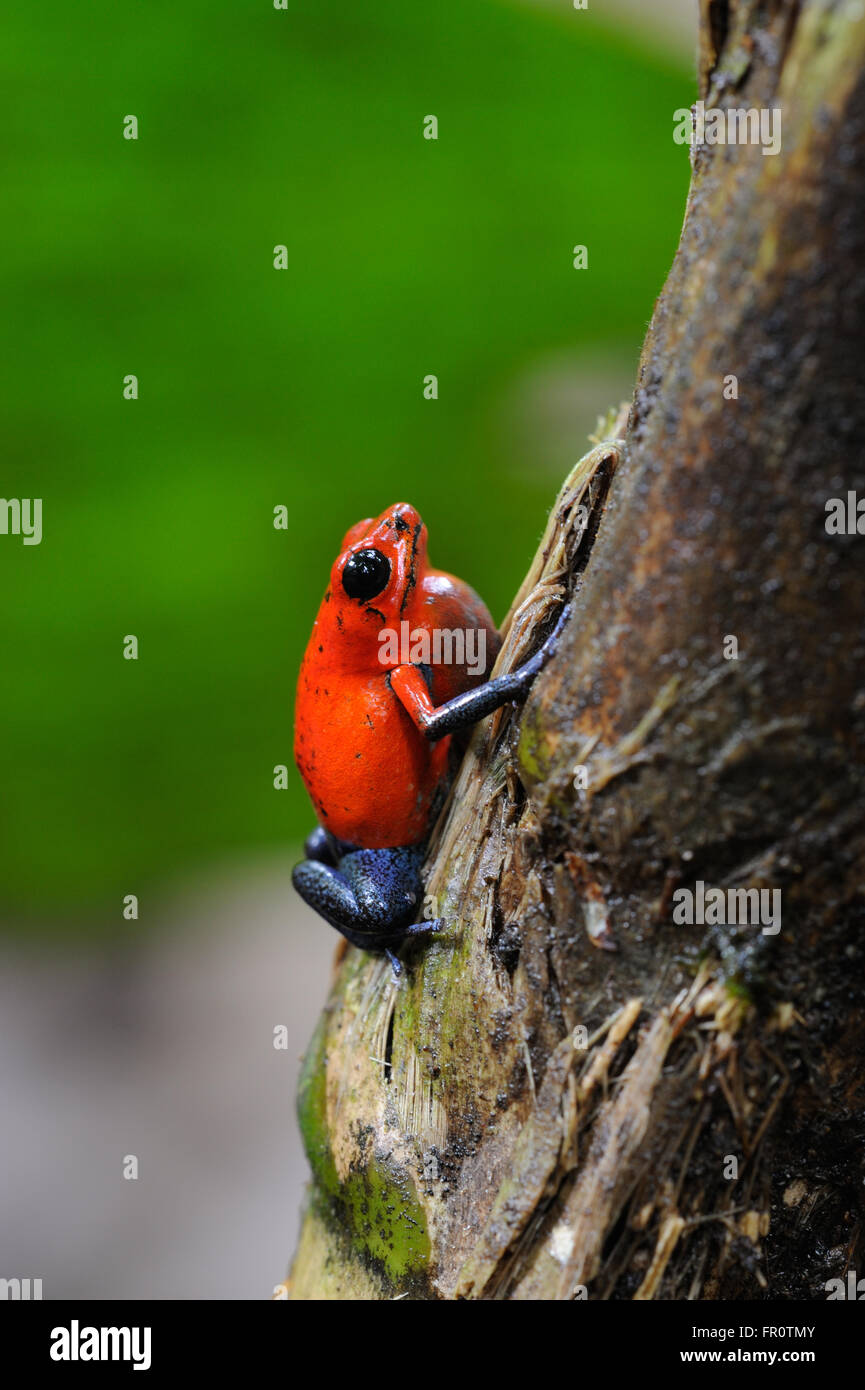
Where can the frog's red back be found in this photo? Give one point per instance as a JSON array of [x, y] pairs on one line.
[[372, 775]]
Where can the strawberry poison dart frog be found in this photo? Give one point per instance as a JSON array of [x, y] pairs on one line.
[[395, 666]]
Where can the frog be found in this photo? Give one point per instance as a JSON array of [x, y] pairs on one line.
[[382, 712]]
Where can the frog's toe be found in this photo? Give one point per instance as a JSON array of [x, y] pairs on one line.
[[395, 962], [435, 924]]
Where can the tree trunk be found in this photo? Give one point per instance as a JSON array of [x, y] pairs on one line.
[[573, 1091]]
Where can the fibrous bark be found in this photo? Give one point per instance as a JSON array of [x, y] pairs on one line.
[[571, 1092]]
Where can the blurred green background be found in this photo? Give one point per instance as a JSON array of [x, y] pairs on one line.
[[301, 387]]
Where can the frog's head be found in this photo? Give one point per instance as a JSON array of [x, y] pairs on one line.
[[375, 574]]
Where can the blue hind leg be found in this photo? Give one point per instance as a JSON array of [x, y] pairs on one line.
[[371, 896]]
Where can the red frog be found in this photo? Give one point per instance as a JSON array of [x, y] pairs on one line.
[[395, 665]]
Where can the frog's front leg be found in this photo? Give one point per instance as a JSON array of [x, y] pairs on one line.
[[371, 896], [411, 688]]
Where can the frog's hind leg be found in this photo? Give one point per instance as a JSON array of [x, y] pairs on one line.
[[371, 892], [317, 846], [371, 896], [324, 847], [417, 930]]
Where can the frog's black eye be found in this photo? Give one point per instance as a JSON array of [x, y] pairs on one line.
[[365, 574]]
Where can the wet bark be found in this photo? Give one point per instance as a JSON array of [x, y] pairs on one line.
[[573, 1092]]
